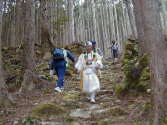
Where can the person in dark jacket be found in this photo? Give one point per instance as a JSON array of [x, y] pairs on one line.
[[59, 66], [114, 51]]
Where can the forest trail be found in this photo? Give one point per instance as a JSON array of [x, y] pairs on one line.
[[71, 107]]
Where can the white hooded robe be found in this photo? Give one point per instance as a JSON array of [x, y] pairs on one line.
[[90, 80]]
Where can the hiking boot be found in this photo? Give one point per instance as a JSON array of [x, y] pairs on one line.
[[58, 89], [62, 88], [92, 97], [92, 100]]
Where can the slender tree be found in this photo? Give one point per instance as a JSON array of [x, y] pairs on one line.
[[138, 11], [46, 36], [71, 32], [19, 29], [5, 99], [28, 45], [130, 15]]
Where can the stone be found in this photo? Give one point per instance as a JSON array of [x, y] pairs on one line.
[[15, 122], [52, 123], [94, 107], [100, 111], [148, 90], [80, 113], [75, 123]]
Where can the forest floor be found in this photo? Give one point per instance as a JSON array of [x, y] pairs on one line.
[[71, 107]]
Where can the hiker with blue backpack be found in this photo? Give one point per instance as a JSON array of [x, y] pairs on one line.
[[59, 63]]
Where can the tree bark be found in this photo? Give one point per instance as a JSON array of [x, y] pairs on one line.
[[5, 99], [28, 43], [19, 15], [71, 32], [130, 16], [138, 11], [154, 37], [46, 37]]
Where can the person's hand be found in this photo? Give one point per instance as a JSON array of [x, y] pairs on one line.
[[75, 70], [51, 73], [97, 68], [88, 62], [78, 71]]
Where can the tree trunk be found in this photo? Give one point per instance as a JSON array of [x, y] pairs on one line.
[[164, 15], [71, 32], [5, 99], [19, 29], [46, 37], [154, 37], [130, 16], [28, 44], [138, 11]]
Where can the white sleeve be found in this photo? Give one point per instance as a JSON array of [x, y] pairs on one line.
[[99, 61], [80, 63], [99, 51]]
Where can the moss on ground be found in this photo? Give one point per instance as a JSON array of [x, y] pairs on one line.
[[71, 98], [47, 109], [116, 111], [164, 122], [31, 120], [2, 123]]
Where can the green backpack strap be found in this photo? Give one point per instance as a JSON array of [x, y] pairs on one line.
[[86, 55]]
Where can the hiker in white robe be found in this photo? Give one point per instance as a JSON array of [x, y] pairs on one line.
[[88, 64]]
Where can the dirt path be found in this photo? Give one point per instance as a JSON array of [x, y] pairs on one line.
[[76, 109]]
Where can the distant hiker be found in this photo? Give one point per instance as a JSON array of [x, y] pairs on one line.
[[58, 63], [88, 64], [114, 51]]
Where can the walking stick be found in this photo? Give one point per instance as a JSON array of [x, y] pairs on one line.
[[81, 81]]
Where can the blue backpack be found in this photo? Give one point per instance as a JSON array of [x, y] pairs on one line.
[[58, 54]]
